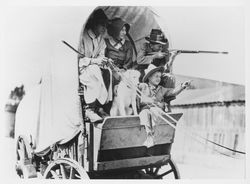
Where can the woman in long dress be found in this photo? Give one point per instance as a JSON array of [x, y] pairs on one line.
[[119, 49], [97, 92]]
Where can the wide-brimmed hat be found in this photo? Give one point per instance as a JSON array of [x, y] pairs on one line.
[[150, 70], [116, 25], [156, 36]]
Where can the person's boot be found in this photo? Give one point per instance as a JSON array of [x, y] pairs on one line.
[[102, 113], [149, 141], [93, 117], [90, 113]]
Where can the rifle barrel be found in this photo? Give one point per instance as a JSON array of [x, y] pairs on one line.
[[72, 48], [198, 51], [214, 52], [191, 52]]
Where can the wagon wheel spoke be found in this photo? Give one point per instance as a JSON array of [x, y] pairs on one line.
[[62, 169], [20, 150], [165, 173], [77, 176], [156, 170], [151, 170], [71, 173], [54, 174], [147, 170]]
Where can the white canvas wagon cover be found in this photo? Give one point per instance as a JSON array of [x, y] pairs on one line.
[[51, 112]]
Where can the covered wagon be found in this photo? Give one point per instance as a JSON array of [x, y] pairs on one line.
[[55, 140]]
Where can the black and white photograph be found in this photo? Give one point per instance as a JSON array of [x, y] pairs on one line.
[[119, 91]]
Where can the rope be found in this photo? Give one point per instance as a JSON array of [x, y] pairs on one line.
[[195, 138], [139, 94], [236, 151]]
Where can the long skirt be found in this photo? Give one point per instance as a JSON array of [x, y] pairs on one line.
[[94, 86]]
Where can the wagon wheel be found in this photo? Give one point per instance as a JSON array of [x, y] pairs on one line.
[[65, 168], [24, 167], [168, 171]]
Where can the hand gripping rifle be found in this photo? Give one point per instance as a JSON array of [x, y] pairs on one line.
[[184, 52]]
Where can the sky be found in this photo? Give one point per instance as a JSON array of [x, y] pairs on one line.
[[208, 28], [30, 33]]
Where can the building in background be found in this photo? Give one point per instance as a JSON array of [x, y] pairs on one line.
[[213, 110]]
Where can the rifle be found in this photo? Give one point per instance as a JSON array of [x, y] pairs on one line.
[[191, 52]]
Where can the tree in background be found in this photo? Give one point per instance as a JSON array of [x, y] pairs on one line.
[[13, 101]]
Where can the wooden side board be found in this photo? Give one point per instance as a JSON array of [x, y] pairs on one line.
[[131, 163]]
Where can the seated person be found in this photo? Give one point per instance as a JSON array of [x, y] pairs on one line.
[[155, 51], [152, 103], [92, 64], [119, 49]]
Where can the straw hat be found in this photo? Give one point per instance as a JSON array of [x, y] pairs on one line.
[[150, 70]]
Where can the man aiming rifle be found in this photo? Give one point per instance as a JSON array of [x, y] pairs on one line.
[[156, 51]]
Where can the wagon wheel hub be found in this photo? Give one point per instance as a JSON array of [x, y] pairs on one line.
[[168, 170]]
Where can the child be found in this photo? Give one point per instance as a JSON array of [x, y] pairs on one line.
[[152, 103]]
